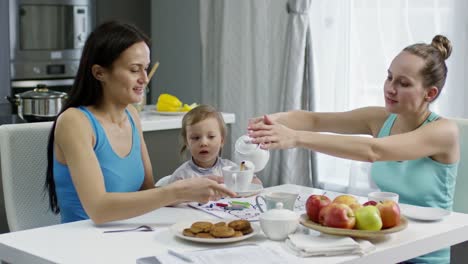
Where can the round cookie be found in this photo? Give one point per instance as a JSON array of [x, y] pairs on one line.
[[199, 227], [222, 232], [204, 235], [220, 224], [188, 233], [247, 231], [239, 225], [238, 234]]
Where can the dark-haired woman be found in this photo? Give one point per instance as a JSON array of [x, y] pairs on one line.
[[414, 151], [98, 164]]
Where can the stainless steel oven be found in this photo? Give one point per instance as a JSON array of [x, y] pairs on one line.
[[46, 41], [47, 37]]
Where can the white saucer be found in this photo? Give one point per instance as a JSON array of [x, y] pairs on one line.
[[253, 190], [423, 213]]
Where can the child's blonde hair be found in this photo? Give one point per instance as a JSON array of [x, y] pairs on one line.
[[196, 115]]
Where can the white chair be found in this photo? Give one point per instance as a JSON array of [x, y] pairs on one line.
[[23, 152], [461, 193]]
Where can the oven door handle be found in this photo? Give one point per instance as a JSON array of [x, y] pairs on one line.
[[49, 83]]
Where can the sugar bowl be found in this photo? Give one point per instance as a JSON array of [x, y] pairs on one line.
[[278, 223]]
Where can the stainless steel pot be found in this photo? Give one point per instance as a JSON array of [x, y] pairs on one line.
[[40, 104]]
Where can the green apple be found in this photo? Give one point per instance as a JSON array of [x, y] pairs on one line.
[[368, 218]]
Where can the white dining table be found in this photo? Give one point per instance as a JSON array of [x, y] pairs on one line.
[[85, 242]]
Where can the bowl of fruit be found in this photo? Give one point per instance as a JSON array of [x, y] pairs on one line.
[[345, 216]]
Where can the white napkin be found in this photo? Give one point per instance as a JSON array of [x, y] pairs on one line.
[[304, 245]]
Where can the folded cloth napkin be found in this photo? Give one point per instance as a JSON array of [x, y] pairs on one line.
[[304, 245]]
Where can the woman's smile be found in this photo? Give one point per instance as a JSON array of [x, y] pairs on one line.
[[390, 101], [139, 90]]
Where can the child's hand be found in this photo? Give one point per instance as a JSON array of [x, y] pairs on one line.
[[218, 179]]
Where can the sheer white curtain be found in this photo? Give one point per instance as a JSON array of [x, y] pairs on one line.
[[354, 44], [243, 45], [257, 60]]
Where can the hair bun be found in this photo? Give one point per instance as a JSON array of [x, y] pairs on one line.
[[443, 45]]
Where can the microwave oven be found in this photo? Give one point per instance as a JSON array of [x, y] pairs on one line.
[[47, 37]]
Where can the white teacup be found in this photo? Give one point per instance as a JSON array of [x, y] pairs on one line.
[[244, 150], [382, 196], [236, 179], [271, 199]]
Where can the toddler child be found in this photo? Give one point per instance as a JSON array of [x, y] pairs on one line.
[[203, 133]]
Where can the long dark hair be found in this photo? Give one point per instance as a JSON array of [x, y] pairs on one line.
[[103, 46]]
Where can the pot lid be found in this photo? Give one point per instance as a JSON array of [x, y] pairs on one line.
[[41, 92], [279, 214]]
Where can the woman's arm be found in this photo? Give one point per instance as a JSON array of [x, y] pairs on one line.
[[74, 138], [437, 139], [366, 120]]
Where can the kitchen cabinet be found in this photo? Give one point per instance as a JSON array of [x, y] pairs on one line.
[[137, 13]]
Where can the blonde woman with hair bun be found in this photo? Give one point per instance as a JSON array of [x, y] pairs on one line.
[[414, 151]]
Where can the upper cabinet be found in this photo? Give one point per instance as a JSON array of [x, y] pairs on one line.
[[135, 12]]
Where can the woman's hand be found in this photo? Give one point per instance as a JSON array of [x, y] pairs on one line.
[[270, 134], [218, 179], [260, 119], [200, 189]]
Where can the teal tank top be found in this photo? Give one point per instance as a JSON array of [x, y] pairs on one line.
[[421, 182], [120, 174]]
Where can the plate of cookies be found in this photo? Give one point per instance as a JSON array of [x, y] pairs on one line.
[[207, 231]]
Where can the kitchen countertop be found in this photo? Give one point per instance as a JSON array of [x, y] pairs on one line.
[[150, 120]]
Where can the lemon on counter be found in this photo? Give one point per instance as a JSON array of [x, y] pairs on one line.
[[170, 103]]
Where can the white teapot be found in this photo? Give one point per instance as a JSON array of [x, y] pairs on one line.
[[246, 150]]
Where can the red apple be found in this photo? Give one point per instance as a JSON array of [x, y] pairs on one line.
[[374, 203], [323, 213], [355, 206], [390, 213], [337, 215], [345, 199], [314, 204]]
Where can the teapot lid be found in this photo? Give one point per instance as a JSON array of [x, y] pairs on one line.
[[244, 144], [279, 214]]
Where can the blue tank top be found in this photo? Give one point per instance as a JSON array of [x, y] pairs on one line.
[[422, 182], [120, 174]]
